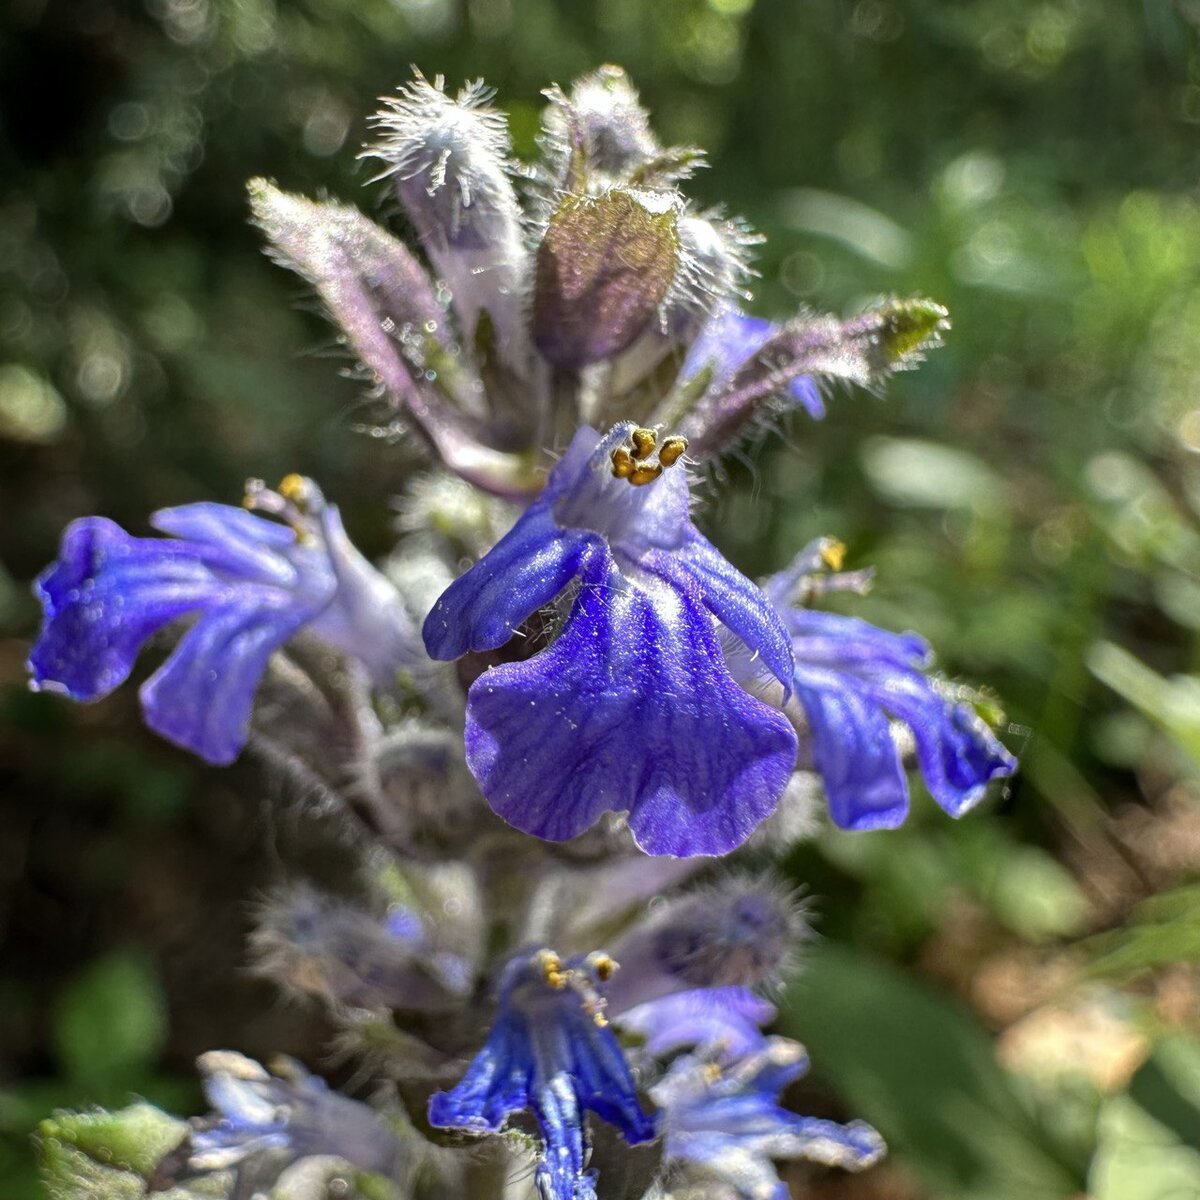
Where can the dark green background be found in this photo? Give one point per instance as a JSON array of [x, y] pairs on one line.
[[1030, 498]]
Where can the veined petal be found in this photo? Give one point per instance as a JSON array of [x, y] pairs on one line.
[[727, 1019], [850, 676], [631, 708], [496, 1085], [737, 603], [853, 751], [526, 568], [201, 697], [830, 639], [551, 1053], [231, 539], [106, 594], [957, 753]]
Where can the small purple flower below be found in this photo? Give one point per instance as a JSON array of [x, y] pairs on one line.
[[550, 1053], [725, 1121], [261, 1122], [632, 706], [250, 583]]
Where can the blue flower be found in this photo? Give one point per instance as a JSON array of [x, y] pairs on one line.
[[288, 1115], [550, 1053], [632, 706], [725, 1020], [851, 678], [729, 341], [725, 1121], [249, 582]]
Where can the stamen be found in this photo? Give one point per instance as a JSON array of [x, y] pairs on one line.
[[833, 553], [671, 451], [604, 965], [292, 487], [552, 969], [643, 443], [638, 466], [642, 475]]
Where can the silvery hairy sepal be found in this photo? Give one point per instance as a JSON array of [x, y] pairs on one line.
[[385, 305], [739, 932], [447, 158], [599, 133]]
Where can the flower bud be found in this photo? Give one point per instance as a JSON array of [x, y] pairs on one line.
[[603, 119], [603, 268], [319, 945], [447, 159], [739, 932]]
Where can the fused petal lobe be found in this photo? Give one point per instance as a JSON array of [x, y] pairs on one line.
[[632, 708]]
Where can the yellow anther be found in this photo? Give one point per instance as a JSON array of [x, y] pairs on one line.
[[642, 475], [293, 487], [643, 443], [833, 554], [601, 1021], [604, 965], [671, 451], [622, 463], [711, 1073], [552, 969]]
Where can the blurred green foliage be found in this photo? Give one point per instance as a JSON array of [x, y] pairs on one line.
[[1031, 498]]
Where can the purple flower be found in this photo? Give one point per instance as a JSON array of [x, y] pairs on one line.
[[250, 583], [851, 679], [632, 706], [551, 1053], [263, 1122], [725, 1121], [728, 342]]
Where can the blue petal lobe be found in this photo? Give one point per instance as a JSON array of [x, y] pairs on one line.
[[958, 755], [525, 569], [202, 696], [632, 708], [728, 1017], [106, 594], [853, 752], [497, 1083], [736, 602], [233, 540]]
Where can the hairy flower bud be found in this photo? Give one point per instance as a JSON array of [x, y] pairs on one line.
[[447, 159], [713, 268], [603, 268], [602, 118], [320, 945], [739, 932]]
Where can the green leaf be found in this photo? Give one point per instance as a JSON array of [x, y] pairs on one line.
[[1162, 930], [1173, 704], [922, 1071], [1141, 1159], [111, 1022], [110, 1155], [1167, 1086]]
